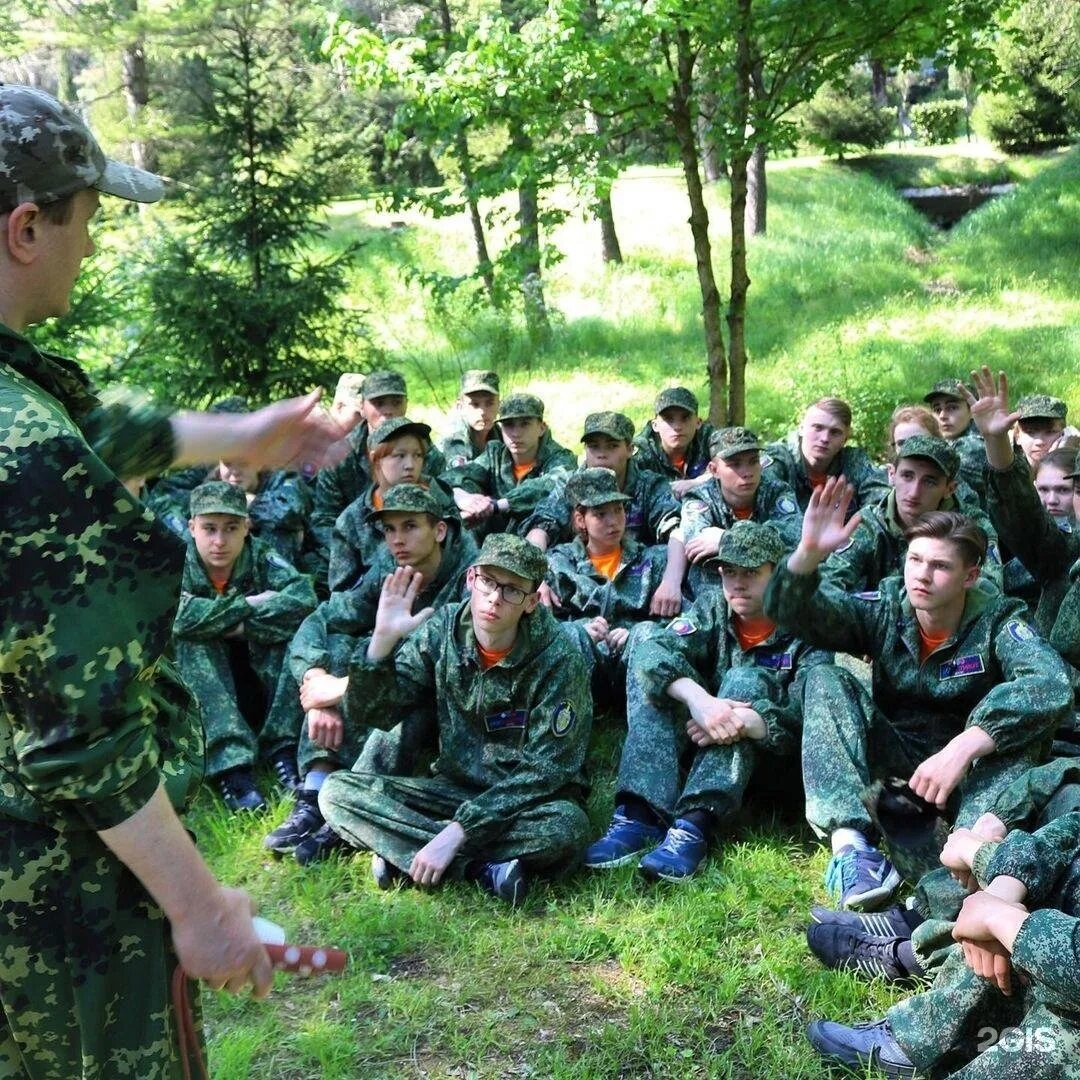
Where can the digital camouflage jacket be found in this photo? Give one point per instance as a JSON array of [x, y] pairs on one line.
[[456, 444], [650, 453], [784, 461]]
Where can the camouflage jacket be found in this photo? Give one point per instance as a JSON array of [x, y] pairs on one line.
[[878, 547], [650, 453], [87, 729], [972, 450], [650, 515], [703, 645], [328, 634], [204, 614], [1023, 803], [492, 474], [774, 502], [456, 445], [995, 672], [585, 592], [784, 461], [516, 734]]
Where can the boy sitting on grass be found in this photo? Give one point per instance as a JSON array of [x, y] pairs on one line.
[[675, 443]]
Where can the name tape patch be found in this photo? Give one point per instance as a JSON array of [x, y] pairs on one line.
[[507, 720], [775, 661], [962, 665]]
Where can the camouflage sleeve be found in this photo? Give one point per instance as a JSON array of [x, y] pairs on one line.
[[202, 618], [559, 724], [552, 515], [527, 495], [683, 649], [1023, 801], [765, 692], [309, 647], [285, 505], [133, 436], [434, 462], [992, 569], [1036, 695], [455, 449], [695, 515], [278, 618], [646, 455], [346, 564], [1041, 860], [330, 500], [851, 567], [474, 476], [568, 584], [1047, 948], [871, 482], [1065, 634], [662, 510]]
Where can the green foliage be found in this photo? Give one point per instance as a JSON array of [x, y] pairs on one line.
[[1024, 120], [838, 119], [936, 122]]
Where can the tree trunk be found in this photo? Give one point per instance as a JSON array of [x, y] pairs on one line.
[[610, 249], [528, 245], [609, 238], [712, 160], [136, 90], [68, 90], [757, 193], [877, 84], [682, 119]]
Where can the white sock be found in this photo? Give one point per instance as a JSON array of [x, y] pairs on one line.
[[850, 837], [314, 780]]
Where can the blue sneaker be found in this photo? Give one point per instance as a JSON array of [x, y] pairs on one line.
[[624, 841], [679, 854], [504, 880], [861, 880], [860, 1046]]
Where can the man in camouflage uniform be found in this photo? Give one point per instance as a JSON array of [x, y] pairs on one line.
[[1040, 426], [100, 884], [240, 604], [497, 491], [494, 685], [922, 480], [818, 449], [707, 695], [675, 443], [949, 404], [473, 425], [418, 533], [958, 678]]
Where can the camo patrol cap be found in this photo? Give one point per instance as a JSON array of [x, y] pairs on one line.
[[513, 554], [383, 384], [408, 499], [1041, 407], [609, 423], [750, 544], [233, 404], [350, 386], [594, 487], [521, 405], [47, 153], [932, 449], [950, 388], [396, 427], [676, 397], [727, 442], [477, 381], [218, 497]]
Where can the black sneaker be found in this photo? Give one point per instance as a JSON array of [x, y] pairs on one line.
[[302, 822], [861, 1046], [238, 791], [892, 922], [505, 880], [386, 874], [319, 845], [283, 765], [844, 948]]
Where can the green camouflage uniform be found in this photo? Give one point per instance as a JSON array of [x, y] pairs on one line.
[[511, 740], [994, 672], [946, 1027], [650, 451], [203, 653], [659, 763], [457, 444], [784, 461]]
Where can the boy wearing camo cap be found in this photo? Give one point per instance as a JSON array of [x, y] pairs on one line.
[[473, 425], [675, 443], [498, 491], [949, 405], [1040, 426], [708, 696], [496, 687]]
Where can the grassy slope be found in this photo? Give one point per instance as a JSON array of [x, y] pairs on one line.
[[599, 976]]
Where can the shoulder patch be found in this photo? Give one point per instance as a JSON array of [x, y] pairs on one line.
[[1019, 630], [681, 626], [274, 559], [766, 460], [869, 594], [844, 546], [563, 719], [786, 504]]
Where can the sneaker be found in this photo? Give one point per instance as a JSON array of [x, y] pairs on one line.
[[319, 845], [386, 874], [505, 880], [283, 765], [863, 880], [860, 1046], [892, 922], [238, 791], [679, 854], [624, 841], [302, 822], [844, 948]]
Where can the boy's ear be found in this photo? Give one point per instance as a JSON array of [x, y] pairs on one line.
[[20, 232]]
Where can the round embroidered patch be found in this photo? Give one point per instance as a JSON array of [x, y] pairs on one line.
[[1019, 631], [681, 626], [786, 504], [562, 719]]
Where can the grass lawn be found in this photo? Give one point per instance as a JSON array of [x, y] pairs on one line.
[[600, 975]]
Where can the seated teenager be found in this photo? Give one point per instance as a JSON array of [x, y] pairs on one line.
[[1040, 426], [473, 423], [501, 695], [708, 697], [675, 443], [948, 402]]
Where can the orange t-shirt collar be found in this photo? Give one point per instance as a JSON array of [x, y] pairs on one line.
[[608, 565], [751, 632]]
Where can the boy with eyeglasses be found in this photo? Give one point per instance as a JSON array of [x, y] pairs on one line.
[[503, 695]]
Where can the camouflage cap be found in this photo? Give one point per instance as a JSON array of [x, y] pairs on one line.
[[396, 427], [609, 423], [521, 405], [383, 384], [1041, 407], [727, 442], [47, 153], [950, 388], [513, 554], [750, 544], [233, 404], [409, 499], [594, 487], [932, 449], [676, 397], [350, 386], [217, 497], [477, 381]]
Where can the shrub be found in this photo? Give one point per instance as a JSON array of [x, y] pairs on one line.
[[936, 122], [1032, 118], [837, 119]]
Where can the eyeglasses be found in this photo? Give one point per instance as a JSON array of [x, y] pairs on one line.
[[510, 593]]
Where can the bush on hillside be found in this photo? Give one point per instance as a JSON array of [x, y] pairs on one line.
[[1031, 119], [838, 120], [936, 122]]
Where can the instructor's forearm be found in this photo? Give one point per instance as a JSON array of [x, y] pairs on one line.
[[205, 438]]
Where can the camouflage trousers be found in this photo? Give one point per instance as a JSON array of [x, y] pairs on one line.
[[85, 962], [396, 816], [232, 741], [965, 1028]]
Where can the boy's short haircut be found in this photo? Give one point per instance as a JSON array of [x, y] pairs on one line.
[[957, 529], [836, 407], [1063, 458], [218, 497]]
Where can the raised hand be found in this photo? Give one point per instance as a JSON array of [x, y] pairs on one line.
[[293, 434], [394, 618], [990, 410], [824, 528]]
